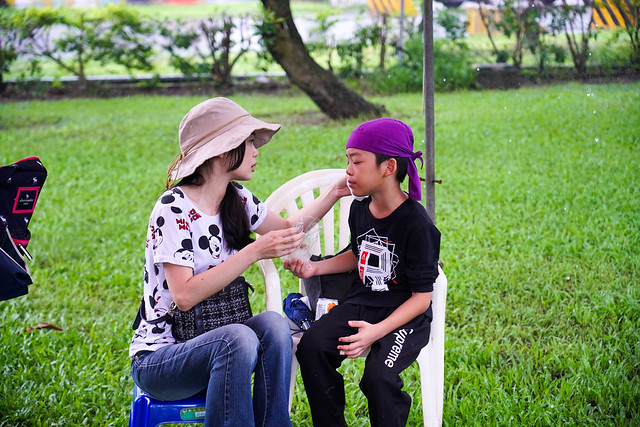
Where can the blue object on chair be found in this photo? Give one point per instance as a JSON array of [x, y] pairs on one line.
[[149, 412], [297, 310]]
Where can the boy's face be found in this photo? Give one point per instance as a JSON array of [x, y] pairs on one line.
[[363, 173]]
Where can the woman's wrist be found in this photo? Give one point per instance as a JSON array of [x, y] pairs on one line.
[[333, 195], [249, 254]]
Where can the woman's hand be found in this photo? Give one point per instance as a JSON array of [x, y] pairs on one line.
[[278, 243], [359, 342], [341, 188]]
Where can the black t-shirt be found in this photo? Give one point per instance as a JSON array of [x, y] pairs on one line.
[[397, 255]]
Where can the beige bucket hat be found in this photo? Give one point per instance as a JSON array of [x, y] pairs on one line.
[[214, 127]]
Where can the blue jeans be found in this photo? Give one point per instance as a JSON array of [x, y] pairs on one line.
[[221, 362]]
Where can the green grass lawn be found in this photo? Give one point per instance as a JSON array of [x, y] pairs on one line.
[[540, 218]]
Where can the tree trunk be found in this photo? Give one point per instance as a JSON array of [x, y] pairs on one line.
[[487, 25], [383, 41], [283, 41]]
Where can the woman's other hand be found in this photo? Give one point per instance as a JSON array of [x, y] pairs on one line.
[[340, 187]]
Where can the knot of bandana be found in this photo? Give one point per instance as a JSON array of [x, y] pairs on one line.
[[390, 137]]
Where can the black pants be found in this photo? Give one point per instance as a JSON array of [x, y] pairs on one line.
[[319, 360]]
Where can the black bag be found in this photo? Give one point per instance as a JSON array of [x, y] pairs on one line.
[[13, 267], [333, 286], [20, 185], [230, 305]]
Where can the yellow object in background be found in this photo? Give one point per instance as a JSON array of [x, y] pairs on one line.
[[392, 7], [612, 14]]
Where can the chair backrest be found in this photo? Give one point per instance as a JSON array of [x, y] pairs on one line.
[[302, 190], [291, 197]]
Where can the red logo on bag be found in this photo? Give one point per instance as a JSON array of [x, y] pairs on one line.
[[26, 199]]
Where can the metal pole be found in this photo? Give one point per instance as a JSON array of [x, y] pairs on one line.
[[427, 95], [401, 35]]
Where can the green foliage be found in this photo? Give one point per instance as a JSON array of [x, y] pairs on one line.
[[527, 23], [125, 39], [451, 68], [9, 41], [548, 53], [164, 11], [630, 11], [539, 218], [15, 29], [454, 24], [320, 38], [266, 28], [121, 39], [613, 52], [114, 34], [522, 21], [207, 47], [571, 19], [352, 52]]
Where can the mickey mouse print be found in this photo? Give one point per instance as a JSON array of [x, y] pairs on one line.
[[179, 233]]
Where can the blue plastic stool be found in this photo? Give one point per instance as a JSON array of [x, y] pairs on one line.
[[149, 412]]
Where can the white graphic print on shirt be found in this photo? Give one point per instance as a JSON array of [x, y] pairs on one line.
[[377, 260]]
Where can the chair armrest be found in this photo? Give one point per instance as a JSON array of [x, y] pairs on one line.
[[272, 285]]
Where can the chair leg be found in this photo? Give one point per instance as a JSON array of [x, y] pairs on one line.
[[139, 415], [131, 416], [431, 384], [294, 369], [294, 372]]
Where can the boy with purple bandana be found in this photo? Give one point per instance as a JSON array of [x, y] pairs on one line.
[[395, 248]]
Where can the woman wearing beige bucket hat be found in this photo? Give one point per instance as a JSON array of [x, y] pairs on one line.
[[198, 242]]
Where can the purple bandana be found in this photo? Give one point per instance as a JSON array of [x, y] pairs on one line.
[[389, 137]]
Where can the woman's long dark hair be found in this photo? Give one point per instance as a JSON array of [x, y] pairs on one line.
[[235, 224]]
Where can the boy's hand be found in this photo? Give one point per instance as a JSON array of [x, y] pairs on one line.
[[359, 342], [300, 269]]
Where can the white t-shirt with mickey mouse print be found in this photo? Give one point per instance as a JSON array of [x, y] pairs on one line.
[[180, 234]]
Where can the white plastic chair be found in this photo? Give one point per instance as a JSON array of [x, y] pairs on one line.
[[297, 193]]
